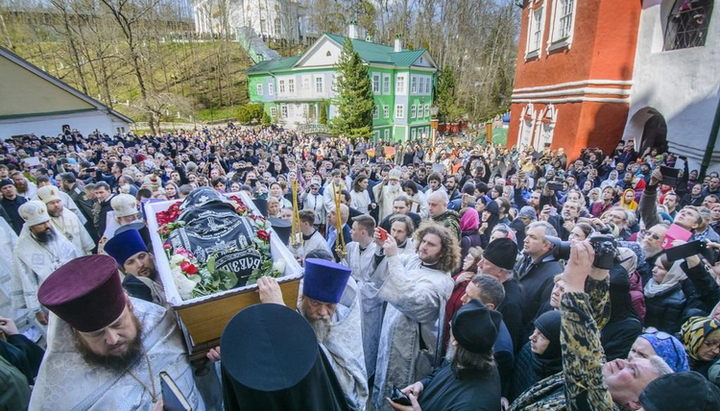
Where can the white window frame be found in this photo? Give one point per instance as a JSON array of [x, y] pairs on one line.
[[413, 111], [281, 87], [271, 89], [413, 134], [377, 135], [284, 111], [420, 112], [386, 83], [386, 134], [399, 111], [400, 88], [306, 84], [321, 90], [536, 31], [428, 87], [386, 111], [427, 110], [273, 112], [413, 85], [561, 16], [376, 83], [291, 86], [259, 89], [376, 112]]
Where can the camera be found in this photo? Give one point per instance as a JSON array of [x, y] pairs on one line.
[[605, 248]]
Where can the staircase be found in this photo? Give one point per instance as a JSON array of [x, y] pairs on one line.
[[256, 48]]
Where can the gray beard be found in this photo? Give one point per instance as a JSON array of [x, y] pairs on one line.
[[322, 328], [649, 252], [450, 354]]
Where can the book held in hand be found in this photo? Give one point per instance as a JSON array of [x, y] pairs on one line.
[[173, 398]]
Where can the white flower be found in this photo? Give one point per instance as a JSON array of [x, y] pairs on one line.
[[184, 285], [279, 265], [176, 259]]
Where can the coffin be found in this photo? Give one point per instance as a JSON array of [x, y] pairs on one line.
[[203, 319]]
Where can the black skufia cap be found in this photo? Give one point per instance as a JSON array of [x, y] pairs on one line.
[[282, 228], [272, 361], [681, 391]]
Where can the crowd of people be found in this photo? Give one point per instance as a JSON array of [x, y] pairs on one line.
[[449, 276]]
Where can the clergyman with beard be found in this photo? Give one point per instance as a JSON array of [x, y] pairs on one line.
[[329, 302], [469, 378], [106, 349], [40, 250]]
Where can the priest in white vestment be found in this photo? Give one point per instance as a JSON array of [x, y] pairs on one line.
[[64, 221]]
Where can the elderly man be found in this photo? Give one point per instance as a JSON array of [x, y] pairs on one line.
[[437, 207], [132, 256], [329, 302], [11, 202], [40, 251], [64, 221], [108, 349], [416, 289], [386, 192], [536, 270], [587, 382], [469, 378]]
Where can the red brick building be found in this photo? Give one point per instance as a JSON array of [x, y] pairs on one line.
[[574, 73]]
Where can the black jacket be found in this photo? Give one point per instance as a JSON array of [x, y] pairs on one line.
[[448, 389], [536, 280], [665, 311], [511, 309], [11, 209]]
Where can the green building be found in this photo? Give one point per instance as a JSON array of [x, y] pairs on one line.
[[293, 89]]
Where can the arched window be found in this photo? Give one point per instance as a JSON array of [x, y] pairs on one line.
[[546, 127], [527, 121], [687, 24]]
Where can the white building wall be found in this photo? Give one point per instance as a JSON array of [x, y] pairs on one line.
[[681, 85], [52, 125]]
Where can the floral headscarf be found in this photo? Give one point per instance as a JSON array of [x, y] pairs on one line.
[[669, 349], [695, 331]]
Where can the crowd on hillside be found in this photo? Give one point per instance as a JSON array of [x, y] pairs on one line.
[[466, 277]]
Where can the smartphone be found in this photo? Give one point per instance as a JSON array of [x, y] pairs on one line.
[[383, 234], [556, 186], [670, 175], [398, 397]]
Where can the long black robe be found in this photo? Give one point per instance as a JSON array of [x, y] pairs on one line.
[[460, 390], [319, 390]]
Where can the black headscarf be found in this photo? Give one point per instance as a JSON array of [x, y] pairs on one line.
[[550, 361]]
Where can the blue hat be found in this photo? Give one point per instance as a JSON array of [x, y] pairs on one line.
[[325, 281], [125, 245]]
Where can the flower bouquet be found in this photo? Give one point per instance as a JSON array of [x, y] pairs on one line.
[[209, 275]]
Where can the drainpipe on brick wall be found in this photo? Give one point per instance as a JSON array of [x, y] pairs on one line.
[[711, 143]]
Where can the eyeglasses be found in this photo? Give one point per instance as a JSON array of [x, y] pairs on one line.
[[712, 345]]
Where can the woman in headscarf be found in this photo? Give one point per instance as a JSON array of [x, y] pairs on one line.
[[490, 217], [701, 337], [611, 181], [624, 326], [627, 201], [664, 298], [593, 196], [461, 279], [662, 344], [469, 235], [539, 358]]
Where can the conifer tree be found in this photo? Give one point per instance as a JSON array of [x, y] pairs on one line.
[[354, 95], [446, 95]]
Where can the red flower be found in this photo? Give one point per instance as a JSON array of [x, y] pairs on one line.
[[188, 267], [169, 215], [263, 235], [167, 246]]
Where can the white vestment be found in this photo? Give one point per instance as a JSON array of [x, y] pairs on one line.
[[66, 382], [362, 266], [385, 196], [69, 204], [329, 194], [360, 201], [8, 242], [33, 262], [416, 296], [315, 203], [315, 242], [71, 227], [344, 349]]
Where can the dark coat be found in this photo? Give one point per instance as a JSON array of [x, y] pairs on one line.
[[524, 375], [105, 207], [11, 209], [618, 337], [537, 281], [504, 353], [511, 309], [447, 389], [665, 311], [24, 354], [469, 239]]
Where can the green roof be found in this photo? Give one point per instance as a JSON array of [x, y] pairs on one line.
[[274, 65], [370, 53]]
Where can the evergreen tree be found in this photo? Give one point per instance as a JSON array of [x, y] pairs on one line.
[[446, 95], [323, 113], [354, 95], [266, 120]]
